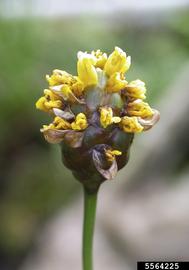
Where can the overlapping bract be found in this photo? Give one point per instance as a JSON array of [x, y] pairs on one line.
[[96, 114]]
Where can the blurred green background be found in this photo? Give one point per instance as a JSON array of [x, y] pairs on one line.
[[33, 183]]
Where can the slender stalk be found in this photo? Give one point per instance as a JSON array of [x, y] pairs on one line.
[[90, 200]]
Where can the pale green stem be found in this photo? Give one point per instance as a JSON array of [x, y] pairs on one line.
[[90, 200]]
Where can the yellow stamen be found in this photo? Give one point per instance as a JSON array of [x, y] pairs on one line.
[[77, 87], [107, 118], [139, 108], [101, 58], [67, 83], [86, 69], [47, 127], [59, 77], [40, 104], [80, 122], [50, 95], [116, 82], [58, 124], [111, 154], [66, 91], [117, 62], [136, 89], [48, 102], [131, 124]]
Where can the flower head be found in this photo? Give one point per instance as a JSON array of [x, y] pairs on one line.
[[96, 114]]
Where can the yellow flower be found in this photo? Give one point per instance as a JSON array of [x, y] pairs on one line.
[[101, 58], [80, 122], [136, 89], [48, 102], [65, 84], [60, 123], [117, 62], [130, 124], [57, 124], [139, 108], [107, 118], [77, 87], [115, 83], [40, 104], [63, 90], [59, 77], [111, 154], [86, 69]]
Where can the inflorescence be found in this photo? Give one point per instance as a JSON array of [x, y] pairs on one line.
[[96, 114]]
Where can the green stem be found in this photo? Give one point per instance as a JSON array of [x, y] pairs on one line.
[[90, 200]]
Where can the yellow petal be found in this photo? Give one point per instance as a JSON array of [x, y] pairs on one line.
[[111, 154], [66, 91], [77, 87], [136, 89], [59, 77], [107, 118], [101, 58], [80, 122], [60, 123], [46, 104], [115, 83], [52, 100], [131, 124], [86, 69], [139, 108], [40, 104], [117, 62]]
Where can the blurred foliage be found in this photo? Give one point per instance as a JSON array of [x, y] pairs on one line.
[[33, 182]]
